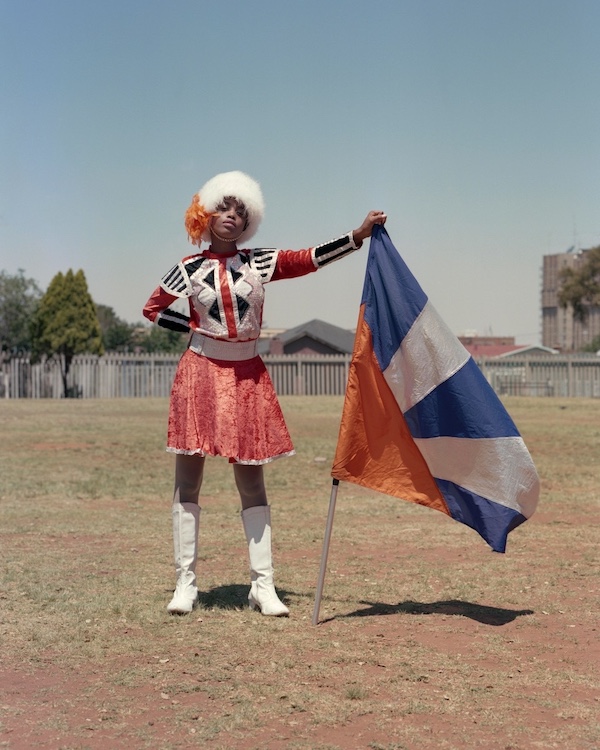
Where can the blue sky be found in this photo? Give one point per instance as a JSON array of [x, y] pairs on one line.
[[473, 124]]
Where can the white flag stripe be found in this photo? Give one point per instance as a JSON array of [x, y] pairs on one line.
[[429, 354], [499, 469]]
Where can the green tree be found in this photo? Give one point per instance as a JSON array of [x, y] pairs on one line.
[[160, 340], [66, 323], [117, 334], [120, 336], [19, 298], [593, 346], [581, 286]]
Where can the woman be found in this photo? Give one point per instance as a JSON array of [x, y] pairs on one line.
[[223, 402]]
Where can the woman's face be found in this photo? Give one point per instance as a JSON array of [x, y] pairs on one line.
[[229, 219]]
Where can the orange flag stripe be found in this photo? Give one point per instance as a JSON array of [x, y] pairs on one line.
[[375, 448]]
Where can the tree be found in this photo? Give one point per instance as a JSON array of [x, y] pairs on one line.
[[117, 334], [66, 323], [156, 339], [120, 336], [19, 298], [593, 346], [581, 286]]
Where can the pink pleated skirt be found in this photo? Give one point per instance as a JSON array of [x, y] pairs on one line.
[[221, 408]]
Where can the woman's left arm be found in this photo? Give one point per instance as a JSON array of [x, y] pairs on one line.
[[288, 264]]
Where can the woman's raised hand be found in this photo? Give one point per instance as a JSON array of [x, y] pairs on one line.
[[365, 229]]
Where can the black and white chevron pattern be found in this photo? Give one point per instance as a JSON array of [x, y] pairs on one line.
[[173, 320], [330, 251]]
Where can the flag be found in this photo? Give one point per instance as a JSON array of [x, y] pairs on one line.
[[420, 422]]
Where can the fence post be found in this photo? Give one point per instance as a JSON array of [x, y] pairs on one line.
[[569, 379], [299, 384]]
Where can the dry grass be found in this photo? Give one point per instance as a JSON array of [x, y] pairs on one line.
[[427, 639]]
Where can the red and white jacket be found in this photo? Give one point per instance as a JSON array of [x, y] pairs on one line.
[[226, 293]]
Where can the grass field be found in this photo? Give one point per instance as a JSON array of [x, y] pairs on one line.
[[427, 639]]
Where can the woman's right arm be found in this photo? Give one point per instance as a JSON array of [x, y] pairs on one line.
[[175, 285], [158, 311]]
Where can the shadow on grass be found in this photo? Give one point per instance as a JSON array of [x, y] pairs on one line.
[[232, 596], [479, 612]]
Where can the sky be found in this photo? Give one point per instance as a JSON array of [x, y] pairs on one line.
[[472, 123]]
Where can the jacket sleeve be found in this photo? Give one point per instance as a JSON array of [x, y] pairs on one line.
[[292, 263], [175, 286], [158, 311]]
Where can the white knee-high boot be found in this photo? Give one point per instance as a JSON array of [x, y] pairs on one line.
[[257, 525], [186, 521]]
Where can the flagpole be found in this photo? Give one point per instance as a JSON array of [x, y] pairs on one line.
[[325, 552]]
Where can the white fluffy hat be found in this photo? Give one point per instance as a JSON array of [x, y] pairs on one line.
[[234, 185]]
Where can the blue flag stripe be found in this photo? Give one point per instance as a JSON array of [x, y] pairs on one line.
[[392, 296], [463, 406], [492, 521]]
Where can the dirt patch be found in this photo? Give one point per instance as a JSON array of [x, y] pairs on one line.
[[426, 638], [408, 673]]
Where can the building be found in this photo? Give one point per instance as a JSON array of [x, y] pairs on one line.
[[314, 337], [560, 330], [487, 347]]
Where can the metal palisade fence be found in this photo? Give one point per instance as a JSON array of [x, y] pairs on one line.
[[151, 375]]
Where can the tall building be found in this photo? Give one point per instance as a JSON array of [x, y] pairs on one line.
[[560, 330]]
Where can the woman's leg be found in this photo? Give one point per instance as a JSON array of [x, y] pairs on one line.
[[256, 517], [185, 512], [189, 472], [250, 482]]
